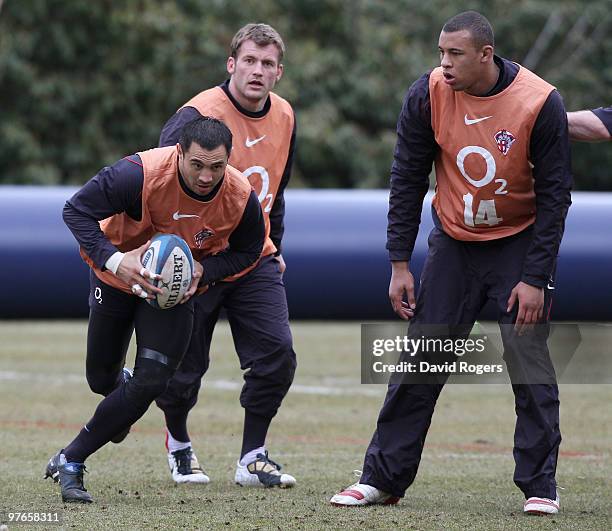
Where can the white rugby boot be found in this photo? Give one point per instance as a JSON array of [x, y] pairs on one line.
[[263, 472], [185, 468]]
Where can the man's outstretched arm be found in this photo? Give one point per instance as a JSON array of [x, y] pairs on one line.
[[590, 126]]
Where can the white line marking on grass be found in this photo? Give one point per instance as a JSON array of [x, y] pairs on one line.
[[15, 376], [221, 385], [338, 390]]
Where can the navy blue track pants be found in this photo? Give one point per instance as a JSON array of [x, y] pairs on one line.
[[457, 280], [256, 308]]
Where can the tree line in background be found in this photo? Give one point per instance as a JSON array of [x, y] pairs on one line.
[[84, 83]]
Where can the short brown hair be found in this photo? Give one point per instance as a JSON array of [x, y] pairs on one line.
[[260, 34]]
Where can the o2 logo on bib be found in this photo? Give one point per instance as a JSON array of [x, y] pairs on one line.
[[261, 186], [486, 213]]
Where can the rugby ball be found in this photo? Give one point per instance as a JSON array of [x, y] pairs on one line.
[[169, 256]]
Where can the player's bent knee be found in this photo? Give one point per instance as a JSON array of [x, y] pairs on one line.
[[101, 384], [288, 359], [277, 369], [284, 343], [150, 380], [142, 391], [290, 365]]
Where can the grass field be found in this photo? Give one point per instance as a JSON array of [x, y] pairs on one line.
[[320, 434]]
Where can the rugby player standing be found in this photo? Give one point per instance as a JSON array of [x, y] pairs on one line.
[[498, 136]]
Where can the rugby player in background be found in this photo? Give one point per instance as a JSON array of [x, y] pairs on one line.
[[263, 125]]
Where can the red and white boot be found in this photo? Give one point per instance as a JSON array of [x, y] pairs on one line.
[[361, 494], [541, 506]]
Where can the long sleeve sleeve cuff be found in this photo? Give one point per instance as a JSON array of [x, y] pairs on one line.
[[112, 264]]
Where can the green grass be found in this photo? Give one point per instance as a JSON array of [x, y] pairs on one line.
[[465, 480]]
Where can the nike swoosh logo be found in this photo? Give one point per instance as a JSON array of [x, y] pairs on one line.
[[475, 120], [176, 216], [548, 286], [251, 143]]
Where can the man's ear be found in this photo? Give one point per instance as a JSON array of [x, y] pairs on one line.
[[487, 53], [231, 65]]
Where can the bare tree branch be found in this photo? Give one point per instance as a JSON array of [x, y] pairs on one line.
[[576, 35], [546, 35], [598, 34]]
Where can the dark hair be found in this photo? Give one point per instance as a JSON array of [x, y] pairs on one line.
[[260, 34], [207, 132], [477, 24]]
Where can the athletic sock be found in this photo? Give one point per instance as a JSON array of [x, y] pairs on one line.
[[176, 422], [114, 414], [249, 457], [76, 451], [254, 434], [173, 445]]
